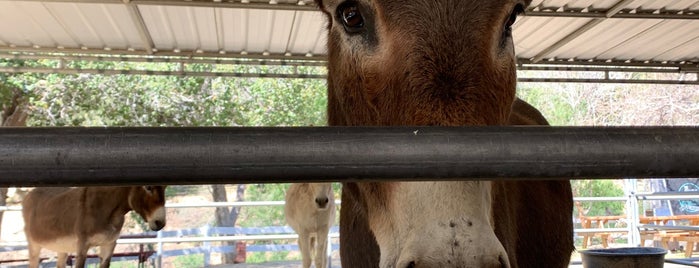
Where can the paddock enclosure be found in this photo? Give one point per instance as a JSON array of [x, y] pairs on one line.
[[594, 41]]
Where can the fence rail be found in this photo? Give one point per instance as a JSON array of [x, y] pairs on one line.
[[207, 234], [122, 156]]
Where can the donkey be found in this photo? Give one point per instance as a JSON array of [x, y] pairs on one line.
[[441, 63], [310, 211], [69, 220]]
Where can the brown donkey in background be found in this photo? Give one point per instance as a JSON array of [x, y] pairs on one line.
[[68, 220], [439, 63]]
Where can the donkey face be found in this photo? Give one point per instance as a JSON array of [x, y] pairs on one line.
[[322, 194], [424, 62], [149, 202]]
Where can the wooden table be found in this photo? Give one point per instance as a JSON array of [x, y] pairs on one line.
[[588, 222]]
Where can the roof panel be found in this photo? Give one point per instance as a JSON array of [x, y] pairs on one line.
[[258, 39], [681, 5], [688, 51], [283, 22], [655, 40], [205, 28], [603, 37], [29, 24], [157, 22], [538, 33], [305, 34], [235, 29]]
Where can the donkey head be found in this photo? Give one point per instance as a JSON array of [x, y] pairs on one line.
[[424, 62], [149, 202]]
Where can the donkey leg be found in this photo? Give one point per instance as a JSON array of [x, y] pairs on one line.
[[34, 255], [81, 255], [305, 247], [62, 259], [321, 257], [106, 252]]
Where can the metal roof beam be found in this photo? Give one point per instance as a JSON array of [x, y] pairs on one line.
[[150, 72], [316, 76], [597, 69], [683, 66], [276, 59], [607, 81], [620, 15], [148, 59], [257, 56], [222, 4]]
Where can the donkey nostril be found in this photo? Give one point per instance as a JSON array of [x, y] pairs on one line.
[[159, 224], [410, 265], [503, 262], [321, 201]]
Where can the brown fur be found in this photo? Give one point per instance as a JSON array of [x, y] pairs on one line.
[[86, 217], [448, 63], [310, 211]]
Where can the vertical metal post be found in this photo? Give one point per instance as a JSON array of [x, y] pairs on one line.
[[159, 256], [631, 189], [207, 245]]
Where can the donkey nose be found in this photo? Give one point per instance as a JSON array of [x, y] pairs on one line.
[[322, 202], [158, 225]]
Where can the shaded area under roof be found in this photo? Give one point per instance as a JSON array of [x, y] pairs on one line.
[[587, 32]]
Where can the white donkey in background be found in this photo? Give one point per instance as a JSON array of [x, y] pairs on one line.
[[310, 211]]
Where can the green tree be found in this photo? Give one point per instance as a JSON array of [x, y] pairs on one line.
[[144, 100], [599, 188]]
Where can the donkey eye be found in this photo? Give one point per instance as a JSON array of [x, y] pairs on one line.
[[517, 10], [351, 17]]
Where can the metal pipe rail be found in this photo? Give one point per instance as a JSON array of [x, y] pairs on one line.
[[131, 241], [667, 196], [199, 205], [137, 156]]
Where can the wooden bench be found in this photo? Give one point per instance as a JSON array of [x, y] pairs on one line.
[[667, 233]]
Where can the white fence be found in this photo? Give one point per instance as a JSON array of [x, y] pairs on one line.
[[204, 235], [207, 235]]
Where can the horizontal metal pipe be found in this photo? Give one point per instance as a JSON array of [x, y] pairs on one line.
[[311, 76], [136, 156], [598, 69], [189, 239], [609, 63], [609, 81], [599, 199], [684, 66], [164, 53], [625, 15], [601, 230]]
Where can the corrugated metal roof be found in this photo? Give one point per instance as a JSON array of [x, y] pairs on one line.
[[622, 30]]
